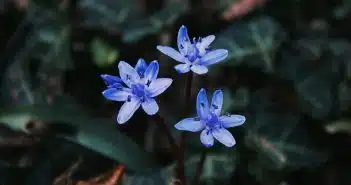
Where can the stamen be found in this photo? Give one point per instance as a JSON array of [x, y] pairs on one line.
[[148, 82], [199, 40], [129, 98]]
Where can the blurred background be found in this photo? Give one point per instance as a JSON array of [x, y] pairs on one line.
[[288, 71]]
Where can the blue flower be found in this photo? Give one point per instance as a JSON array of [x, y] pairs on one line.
[[195, 55], [210, 122], [142, 87], [112, 81]]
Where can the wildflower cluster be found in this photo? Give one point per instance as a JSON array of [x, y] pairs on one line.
[[138, 86]]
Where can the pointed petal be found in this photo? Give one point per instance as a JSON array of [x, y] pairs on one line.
[[116, 86], [171, 53], [217, 102], [116, 94], [128, 73], [224, 136], [183, 40], [204, 44], [232, 120], [202, 107], [182, 68], [110, 80], [214, 56], [158, 86], [190, 124], [127, 110], [206, 41], [141, 66], [150, 106], [151, 72], [206, 138], [199, 69]]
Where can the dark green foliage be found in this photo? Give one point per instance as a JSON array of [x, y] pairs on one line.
[[288, 71]]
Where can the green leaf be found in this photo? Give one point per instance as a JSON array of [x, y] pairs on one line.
[[165, 17], [103, 54], [316, 73], [343, 126], [253, 43], [218, 167], [258, 169], [239, 99], [110, 15], [50, 36], [53, 47], [341, 11], [281, 141], [99, 135]]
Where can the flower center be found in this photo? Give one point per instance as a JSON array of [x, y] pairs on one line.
[[138, 90], [192, 53], [191, 50], [212, 121]]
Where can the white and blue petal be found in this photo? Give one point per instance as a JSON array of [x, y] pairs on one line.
[[217, 102], [128, 109], [214, 56], [140, 67], [116, 86], [182, 68], [224, 137], [151, 72], [228, 121], [183, 40], [206, 138], [204, 43], [150, 106], [116, 94], [172, 53], [128, 74], [158, 86], [190, 124], [199, 69], [110, 79], [202, 106]]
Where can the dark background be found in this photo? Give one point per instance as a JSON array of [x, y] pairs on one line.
[[288, 71]]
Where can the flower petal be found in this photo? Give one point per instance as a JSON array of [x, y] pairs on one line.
[[110, 80], [128, 73], [171, 53], [214, 56], [199, 69], [151, 72], [182, 68], [183, 40], [202, 107], [150, 106], [224, 136], [204, 44], [232, 120], [116, 94], [158, 86], [206, 138], [190, 124], [128, 109], [217, 102], [140, 67]]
